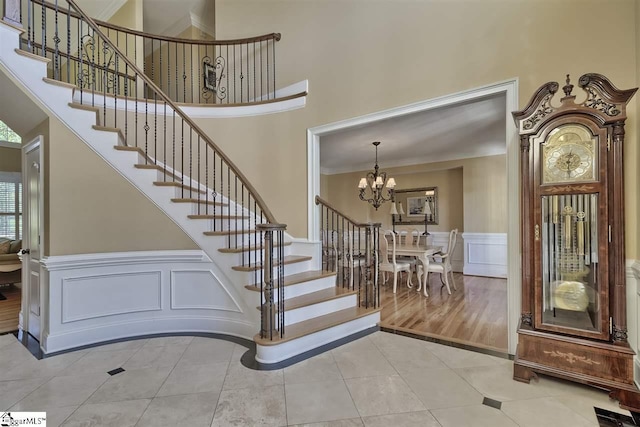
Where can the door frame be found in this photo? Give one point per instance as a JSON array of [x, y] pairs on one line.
[[514, 250], [36, 143]]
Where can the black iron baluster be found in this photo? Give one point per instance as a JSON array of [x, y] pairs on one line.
[[68, 43], [273, 50]]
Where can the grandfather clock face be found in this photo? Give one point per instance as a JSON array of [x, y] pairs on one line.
[[570, 154]]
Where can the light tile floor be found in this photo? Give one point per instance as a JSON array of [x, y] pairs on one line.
[[379, 380]]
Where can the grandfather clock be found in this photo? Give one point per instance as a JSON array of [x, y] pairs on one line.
[[573, 323]]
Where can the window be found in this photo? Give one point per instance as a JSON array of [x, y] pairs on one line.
[[10, 205], [8, 135]]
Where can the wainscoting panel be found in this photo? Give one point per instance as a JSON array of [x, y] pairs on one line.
[[485, 254], [633, 313], [88, 297], [200, 289], [95, 298]]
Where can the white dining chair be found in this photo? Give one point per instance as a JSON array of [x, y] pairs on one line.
[[388, 261], [347, 258], [442, 263]]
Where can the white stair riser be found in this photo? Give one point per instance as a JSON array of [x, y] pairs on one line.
[[237, 240], [227, 225], [277, 353], [326, 307], [251, 257], [303, 288]]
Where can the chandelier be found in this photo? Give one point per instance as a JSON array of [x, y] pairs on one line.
[[375, 181]]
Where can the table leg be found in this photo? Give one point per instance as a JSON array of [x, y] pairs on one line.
[[424, 259]]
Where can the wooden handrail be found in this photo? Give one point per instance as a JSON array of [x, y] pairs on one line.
[[321, 201], [267, 213], [265, 37]]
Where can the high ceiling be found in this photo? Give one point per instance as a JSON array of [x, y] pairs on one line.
[[471, 129], [167, 17]]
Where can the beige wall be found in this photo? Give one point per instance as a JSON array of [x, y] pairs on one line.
[[90, 208], [472, 194], [10, 159], [376, 55]]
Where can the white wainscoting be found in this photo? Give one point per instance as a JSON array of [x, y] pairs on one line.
[[485, 254], [101, 297], [633, 313]]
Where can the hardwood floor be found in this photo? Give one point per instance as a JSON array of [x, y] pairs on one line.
[[10, 308], [475, 314]]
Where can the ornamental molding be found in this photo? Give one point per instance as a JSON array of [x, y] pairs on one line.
[[571, 358]]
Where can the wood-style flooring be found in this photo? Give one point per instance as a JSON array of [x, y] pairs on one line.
[[10, 308], [475, 314]]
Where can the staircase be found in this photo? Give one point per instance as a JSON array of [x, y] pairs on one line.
[[311, 310]]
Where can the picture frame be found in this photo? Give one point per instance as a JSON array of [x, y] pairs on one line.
[[209, 76], [412, 202], [415, 206]]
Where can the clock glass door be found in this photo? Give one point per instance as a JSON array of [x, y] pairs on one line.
[[570, 262]]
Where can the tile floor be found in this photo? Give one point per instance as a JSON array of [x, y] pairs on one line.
[[379, 380]]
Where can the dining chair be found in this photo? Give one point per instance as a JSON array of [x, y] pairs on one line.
[[442, 263], [347, 258], [388, 260]]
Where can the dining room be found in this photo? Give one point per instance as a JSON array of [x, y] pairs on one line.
[[441, 183]]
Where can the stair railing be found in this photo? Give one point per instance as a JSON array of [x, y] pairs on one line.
[[351, 249], [222, 72], [147, 122]]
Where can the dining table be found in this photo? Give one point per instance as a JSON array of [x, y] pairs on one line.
[[422, 253]]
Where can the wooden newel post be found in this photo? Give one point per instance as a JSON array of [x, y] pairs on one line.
[[11, 12]]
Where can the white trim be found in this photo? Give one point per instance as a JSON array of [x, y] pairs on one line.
[[116, 259], [510, 89], [485, 254], [7, 144], [204, 110]]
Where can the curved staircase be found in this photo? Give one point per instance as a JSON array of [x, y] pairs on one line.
[[315, 311]]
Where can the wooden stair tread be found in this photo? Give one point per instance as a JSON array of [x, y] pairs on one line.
[[289, 259], [86, 107], [248, 248], [229, 232], [156, 167], [316, 297], [300, 329], [59, 83], [36, 57], [130, 148], [12, 25], [202, 202], [294, 279], [179, 185]]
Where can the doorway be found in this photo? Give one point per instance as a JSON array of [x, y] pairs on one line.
[[509, 90], [32, 295]]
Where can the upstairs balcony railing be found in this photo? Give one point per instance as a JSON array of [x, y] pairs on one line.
[[222, 72], [147, 121], [351, 249]]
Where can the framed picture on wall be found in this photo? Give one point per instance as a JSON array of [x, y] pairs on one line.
[[411, 203], [415, 206]]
